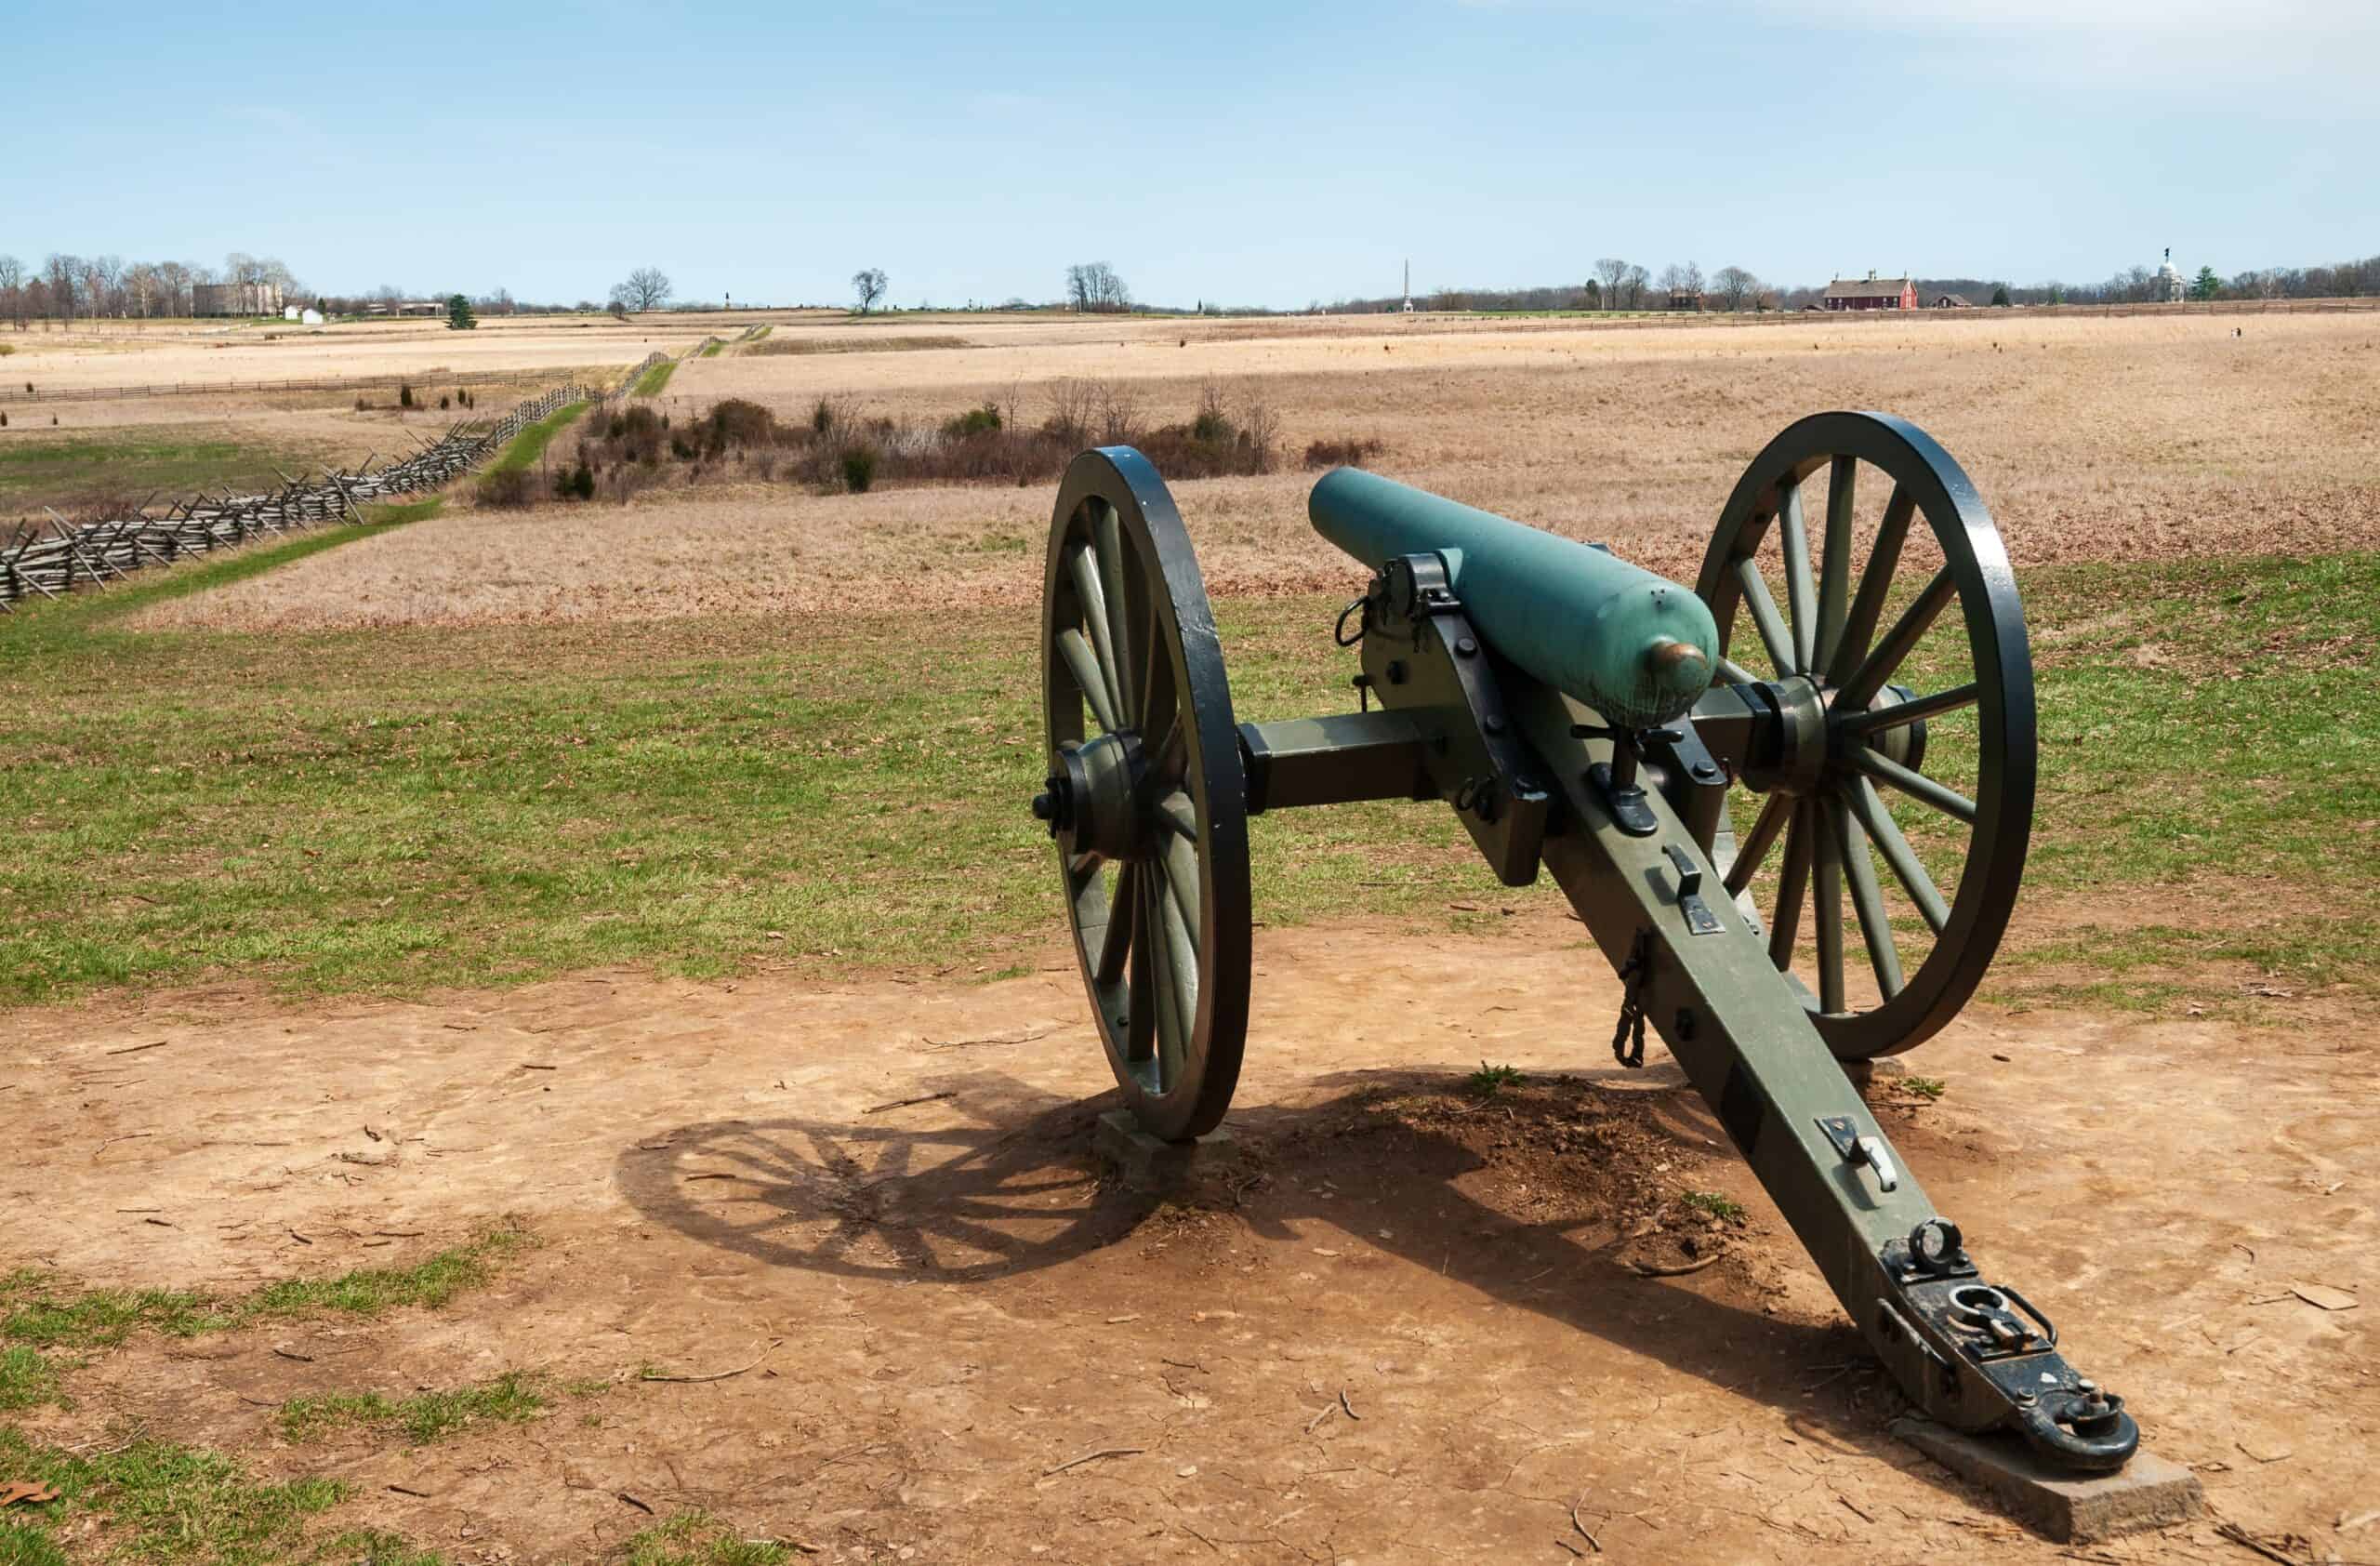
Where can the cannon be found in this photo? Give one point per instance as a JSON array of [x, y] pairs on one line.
[[1652, 747]]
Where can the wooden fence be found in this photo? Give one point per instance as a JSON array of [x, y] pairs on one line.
[[50, 560]]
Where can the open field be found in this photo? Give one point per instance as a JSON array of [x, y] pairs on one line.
[[601, 877]]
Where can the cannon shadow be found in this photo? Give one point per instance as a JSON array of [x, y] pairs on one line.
[[1015, 1187]]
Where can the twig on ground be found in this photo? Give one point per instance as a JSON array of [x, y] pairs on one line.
[[2240, 1536], [989, 1039], [1668, 1270], [292, 1354], [718, 1376], [1595, 1542], [904, 1103], [128, 1136], [624, 1495], [1348, 1406], [1093, 1457], [417, 1494], [1571, 1547], [135, 1049]]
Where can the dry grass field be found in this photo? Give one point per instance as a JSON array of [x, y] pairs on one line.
[[545, 1036], [2124, 440]]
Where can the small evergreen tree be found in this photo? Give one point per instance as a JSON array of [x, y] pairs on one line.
[[458, 315], [2207, 286], [1999, 294]]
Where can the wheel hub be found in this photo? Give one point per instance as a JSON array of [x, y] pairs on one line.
[[1092, 799], [1812, 742]]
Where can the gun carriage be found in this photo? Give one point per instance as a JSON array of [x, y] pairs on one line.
[[1587, 718]]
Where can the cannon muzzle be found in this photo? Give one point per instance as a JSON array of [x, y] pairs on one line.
[[1636, 647]]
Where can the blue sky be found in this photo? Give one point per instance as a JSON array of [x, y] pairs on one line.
[[1247, 152]]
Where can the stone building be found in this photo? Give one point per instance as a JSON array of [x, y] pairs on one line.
[[235, 298]]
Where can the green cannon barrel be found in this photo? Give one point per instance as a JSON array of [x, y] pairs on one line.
[[1636, 647]]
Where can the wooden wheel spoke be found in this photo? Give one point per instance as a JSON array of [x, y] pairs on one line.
[[1896, 644], [1096, 618], [1734, 673], [1868, 902], [1876, 585], [1181, 861], [1774, 813], [1907, 868], [1793, 879], [1083, 664], [1164, 991], [1800, 597], [1139, 1017], [1904, 713], [1182, 958], [1115, 940], [1108, 535], [1827, 881], [1178, 814], [1834, 576], [1773, 634], [1916, 784]]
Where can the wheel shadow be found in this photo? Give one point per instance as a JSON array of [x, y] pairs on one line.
[[1014, 1187]]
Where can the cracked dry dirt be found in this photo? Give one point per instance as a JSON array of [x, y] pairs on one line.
[[960, 1306]]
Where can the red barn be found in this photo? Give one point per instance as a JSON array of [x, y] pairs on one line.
[[1871, 293]]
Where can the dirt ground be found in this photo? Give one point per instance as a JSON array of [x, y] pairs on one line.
[[877, 1200]]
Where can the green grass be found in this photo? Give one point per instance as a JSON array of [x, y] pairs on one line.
[[1711, 1204], [530, 444], [697, 1538], [27, 1379], [1924, 1087], [164, 1504], [129, 465], [36, 1314], [1489, 1081], [391, 811], [653, 381], [711, 350], [512, 1398]]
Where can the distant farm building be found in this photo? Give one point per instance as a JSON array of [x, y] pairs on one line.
[[1953, 301], [235, 298], [1685, 299], [406, 307], [311, 317], [1871, 293]]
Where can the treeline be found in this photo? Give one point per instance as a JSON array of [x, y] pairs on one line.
[[1620, 284], [67, 288]]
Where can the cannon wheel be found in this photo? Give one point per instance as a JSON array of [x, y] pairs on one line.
[[1146, 795], [1965, 788]]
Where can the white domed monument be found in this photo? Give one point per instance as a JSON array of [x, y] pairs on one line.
[[2168, 287]]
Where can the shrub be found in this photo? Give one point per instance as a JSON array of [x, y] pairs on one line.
[[405, 396], [511, 490], [739, 422], [575, 483], [984, 420], [442, 404], [680, 449], [1210, 425], [822, 416], [1355, 449], [4, 421], [859, 468], [362, 405]]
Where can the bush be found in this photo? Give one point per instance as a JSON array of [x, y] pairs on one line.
[[442, 404], [4, 421], [822, 416], [859, 468], [362, 405], [984, 420], [575, 483], [513, 489], [739, 422], [1350, 452]]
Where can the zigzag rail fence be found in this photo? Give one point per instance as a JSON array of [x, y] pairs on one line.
[[52, 559]]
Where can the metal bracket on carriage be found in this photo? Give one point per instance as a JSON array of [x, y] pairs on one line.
[[1981, 1356], [1421, 651]]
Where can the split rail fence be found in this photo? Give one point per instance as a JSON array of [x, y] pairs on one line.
[[52, 559]]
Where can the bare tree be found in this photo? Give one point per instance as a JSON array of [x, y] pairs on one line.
[[645, 288], [1614, 273], [868, 285], [1093, 285], [60, 273], [1736, 285], [1633, 281], [12, 290]]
